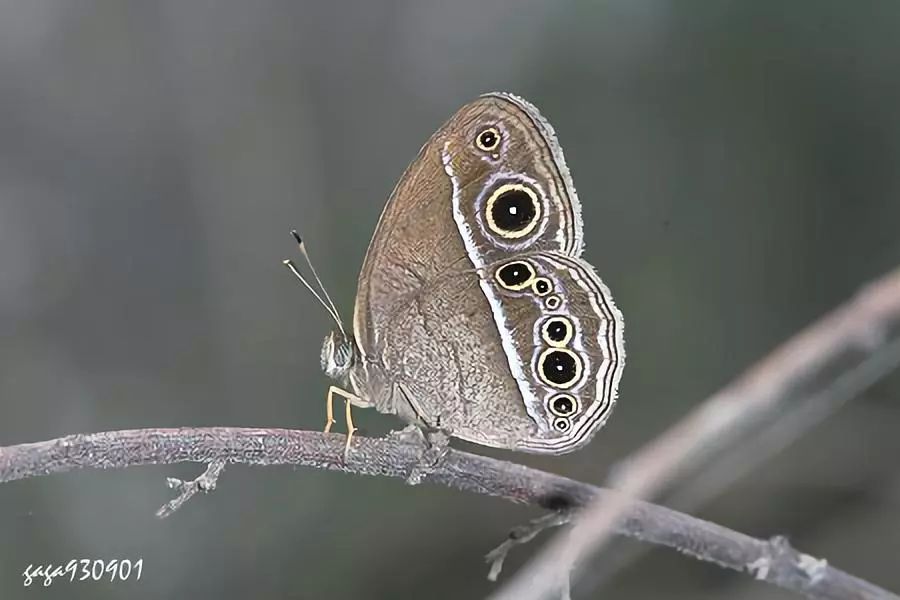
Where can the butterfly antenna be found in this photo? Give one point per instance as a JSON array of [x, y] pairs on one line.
[[293, 268], [326, 302], [313, 269]]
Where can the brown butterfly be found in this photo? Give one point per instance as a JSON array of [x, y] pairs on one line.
[[475, 313]]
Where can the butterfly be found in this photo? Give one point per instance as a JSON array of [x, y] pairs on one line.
[[475, 313]]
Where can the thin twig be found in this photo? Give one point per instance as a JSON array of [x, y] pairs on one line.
[[806, 364], [522, 535], [205, 483], [770, 561]]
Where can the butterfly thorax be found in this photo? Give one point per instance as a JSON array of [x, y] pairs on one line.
[[338, 356]]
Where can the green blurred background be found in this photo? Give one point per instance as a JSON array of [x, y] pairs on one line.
[[738, 165]]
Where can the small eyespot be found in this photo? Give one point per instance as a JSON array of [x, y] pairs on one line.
[[557, 331], [488, 139], [563, 405], [542, 286], [561, 424], [552, 302], [513, 210], [516, 275], [559, 368]]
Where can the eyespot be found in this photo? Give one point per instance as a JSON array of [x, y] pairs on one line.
[[541, 286], [516, 275], [513, 210], [488, 139], [557, 331], [552, 302], [559, 368], [561, 424], [563, 405]]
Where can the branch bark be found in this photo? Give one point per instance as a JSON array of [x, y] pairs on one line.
[[773, 560]]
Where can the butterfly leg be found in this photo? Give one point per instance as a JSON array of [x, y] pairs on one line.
[[348, 401], [351, 429], [329, 408]]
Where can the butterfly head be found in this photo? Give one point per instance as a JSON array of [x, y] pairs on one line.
[[338, 355]]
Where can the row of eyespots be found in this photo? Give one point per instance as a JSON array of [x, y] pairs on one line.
[[563, 406], [557, 366], [561, 368], [513, 210], [519, 274]]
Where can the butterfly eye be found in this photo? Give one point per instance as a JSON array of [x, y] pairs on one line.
[[558, 367], [552, 302], [488, 139], [557, 331], [563, 405], [513, 210]]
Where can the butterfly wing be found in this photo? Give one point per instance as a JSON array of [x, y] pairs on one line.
[[418, 239], [440, 342], [525, 353], [563, 337]]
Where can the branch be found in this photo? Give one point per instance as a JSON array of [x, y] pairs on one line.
[[773, 561], [806, 364], [751, 451]]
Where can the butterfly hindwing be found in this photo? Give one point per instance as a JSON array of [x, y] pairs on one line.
[[563, 336]]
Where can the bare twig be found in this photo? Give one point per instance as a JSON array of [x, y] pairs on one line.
[[522, 535], [775, 563], [806, 364], [205, 483]]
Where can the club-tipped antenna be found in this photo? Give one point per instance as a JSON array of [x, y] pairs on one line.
[[337, 319], [313, 269], [326, 302]]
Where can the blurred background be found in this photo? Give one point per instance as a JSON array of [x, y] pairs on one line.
[[738, 165]]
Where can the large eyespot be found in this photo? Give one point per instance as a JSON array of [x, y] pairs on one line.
[[559, 367], [563, 405], [488, 139], [561, 424], [541, 286], [557, 331], [513, 210], [516, 275], [552, 302]]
